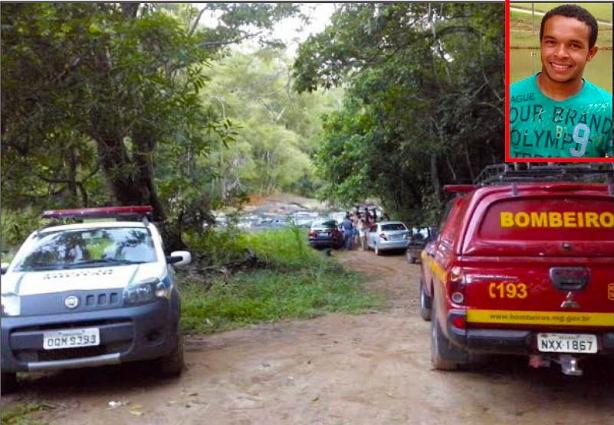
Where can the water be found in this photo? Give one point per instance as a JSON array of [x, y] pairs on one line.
[[525, 62]]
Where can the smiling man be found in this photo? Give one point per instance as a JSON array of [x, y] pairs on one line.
[[557, 113]]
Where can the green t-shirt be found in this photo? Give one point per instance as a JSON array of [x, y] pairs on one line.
[[577, 127]]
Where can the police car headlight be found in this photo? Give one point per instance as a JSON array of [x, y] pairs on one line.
[[162, 291], [141, 292], [11, 305]]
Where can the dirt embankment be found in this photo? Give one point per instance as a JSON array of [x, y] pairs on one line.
[[338, 369]]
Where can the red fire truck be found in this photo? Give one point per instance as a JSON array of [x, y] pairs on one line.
[[524, 264]]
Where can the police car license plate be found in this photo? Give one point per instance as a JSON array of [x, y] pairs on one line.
[[566, 343], [71, 338]]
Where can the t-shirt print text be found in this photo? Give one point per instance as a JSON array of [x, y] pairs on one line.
[[569, 129]]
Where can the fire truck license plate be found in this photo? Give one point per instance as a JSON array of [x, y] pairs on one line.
[[71, 338], [566, 343]]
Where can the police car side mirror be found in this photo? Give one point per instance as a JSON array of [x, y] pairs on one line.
[[4, 267], [179, 258]]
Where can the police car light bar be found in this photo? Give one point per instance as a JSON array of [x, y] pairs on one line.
[[102, 212]]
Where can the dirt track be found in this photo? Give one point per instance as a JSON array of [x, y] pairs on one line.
[[369, 369]]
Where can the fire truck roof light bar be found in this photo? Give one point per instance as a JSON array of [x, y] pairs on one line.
[[506, 174]]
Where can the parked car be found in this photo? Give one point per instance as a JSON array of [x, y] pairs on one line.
[[91, 294], [418, 239], [388, 236], [325, 234], [524, 265]]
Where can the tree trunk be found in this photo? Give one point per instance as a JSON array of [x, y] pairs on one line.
[[72, 186], [119, 172], [468, 160], [129, 174], [435, 177]]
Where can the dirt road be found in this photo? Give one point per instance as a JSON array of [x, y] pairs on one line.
[[369, 369]]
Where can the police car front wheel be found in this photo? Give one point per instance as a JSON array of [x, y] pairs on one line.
[[8, 383], [173, 364]]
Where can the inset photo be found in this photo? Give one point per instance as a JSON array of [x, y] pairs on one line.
[[560, 76]]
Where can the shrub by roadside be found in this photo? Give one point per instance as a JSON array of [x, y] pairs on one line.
[[16, 226], [298, 282], [289, 280], [24, 414]]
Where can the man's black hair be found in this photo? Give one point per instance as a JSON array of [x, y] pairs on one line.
[[576, 12]]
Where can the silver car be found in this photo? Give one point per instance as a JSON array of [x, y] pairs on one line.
[[387, 236]]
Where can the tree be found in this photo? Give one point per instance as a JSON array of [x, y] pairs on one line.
[[277, 130], [101, 86], [424, 105]]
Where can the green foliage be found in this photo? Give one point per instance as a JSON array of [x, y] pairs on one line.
[[298, 283], [268, 296], [17, 226], [221, 245], [277, 130], [101, 104], [23, 414], [525, 34], [424, 100], [282, 249], [601, 11], [97, 88]]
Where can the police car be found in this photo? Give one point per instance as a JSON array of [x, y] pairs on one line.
[[91, 293]]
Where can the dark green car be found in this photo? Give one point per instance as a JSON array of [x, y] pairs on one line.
[[418, 239]]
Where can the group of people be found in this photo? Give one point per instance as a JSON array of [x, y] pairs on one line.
[[355, 226]]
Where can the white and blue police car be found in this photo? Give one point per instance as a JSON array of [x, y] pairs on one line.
[[91, 293]]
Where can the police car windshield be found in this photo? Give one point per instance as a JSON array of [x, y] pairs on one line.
[[103, 247]]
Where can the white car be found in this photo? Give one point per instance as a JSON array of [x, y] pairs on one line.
[[91, 294], [388, 236]]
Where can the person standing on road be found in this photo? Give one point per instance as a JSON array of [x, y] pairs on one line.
[[348, 231], [367, 215], [362, 233], [557, 113], [356, 233]]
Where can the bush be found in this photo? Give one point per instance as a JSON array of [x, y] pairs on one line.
[[16, 227], [298, 283]]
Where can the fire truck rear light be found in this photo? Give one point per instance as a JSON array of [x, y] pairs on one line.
[[456, 285], [456, 276], [459, 322], [458, 298]]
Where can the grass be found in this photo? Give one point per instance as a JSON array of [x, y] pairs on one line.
[[296, 281], [521, 35], [23, 414], [601, 11], [300, 283]]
